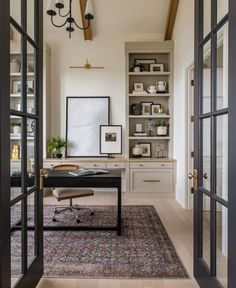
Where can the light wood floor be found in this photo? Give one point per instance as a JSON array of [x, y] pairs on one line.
[[178, 223]]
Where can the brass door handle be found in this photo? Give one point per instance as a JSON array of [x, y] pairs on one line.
[[205, 176], [194, 176], [43, 174]]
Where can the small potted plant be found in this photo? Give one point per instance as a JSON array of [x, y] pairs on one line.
[[161, 128], [138, 67], [55, 145]]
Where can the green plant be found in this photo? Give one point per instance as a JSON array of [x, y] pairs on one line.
[[160, 124], [56, 144]]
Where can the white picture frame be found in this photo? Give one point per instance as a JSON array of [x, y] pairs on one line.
[[157, 67], [138, 87], [146, 108], [110, 139], [155, 109]]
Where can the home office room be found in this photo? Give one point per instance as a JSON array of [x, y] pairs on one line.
[[109, 183]]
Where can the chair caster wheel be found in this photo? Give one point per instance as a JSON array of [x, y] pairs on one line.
[[78, 221], [92, 213], [54, 219]]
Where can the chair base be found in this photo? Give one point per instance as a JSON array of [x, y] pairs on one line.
[[73, 208]]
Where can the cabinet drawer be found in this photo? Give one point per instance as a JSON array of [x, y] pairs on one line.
[[92, 165], [152, 180], [115, 165], [149, 165]]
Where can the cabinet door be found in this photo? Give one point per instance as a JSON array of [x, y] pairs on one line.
[[151, 180]]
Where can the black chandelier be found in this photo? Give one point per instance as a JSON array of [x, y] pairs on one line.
[[54, 5]]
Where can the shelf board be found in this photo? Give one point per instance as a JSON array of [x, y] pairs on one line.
[[19, 95], [149, 138], [19, 138], [150, 95], [149, 73], [148, 116], [18, 74]]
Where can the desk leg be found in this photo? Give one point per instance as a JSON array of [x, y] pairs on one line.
[[119, 210]]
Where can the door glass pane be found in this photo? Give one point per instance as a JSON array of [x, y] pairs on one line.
[[222, 9], [222, 67], [206, 81], [206, 17], [15, 155], [31, 227], [206, 152], [222, 244], [31, 150], [15, 10], [15, 70], [16, 243], [30, 18], [222, 156], [30, 79], [206, 222]]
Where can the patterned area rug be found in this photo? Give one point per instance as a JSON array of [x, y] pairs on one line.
[[143, 251]]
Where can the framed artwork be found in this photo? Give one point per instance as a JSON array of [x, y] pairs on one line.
[[16, 86], [138, 87], [110, 139], [84, 115], [156, 109], [147, 149], [146, 108], [157, 67], [145, 63]]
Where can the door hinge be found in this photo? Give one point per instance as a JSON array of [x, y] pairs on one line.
[[192, 154], [192, 82], [192, 118]]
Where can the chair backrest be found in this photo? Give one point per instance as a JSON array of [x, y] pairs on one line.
[[65, 167]]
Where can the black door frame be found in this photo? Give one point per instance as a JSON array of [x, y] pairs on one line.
[[32, 274], [204, 278]]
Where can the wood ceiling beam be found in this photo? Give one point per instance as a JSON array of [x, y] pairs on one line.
[[87, 32], [171, 19]]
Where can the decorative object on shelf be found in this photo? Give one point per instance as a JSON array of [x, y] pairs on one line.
[[87, 66], [150, 127], [30, 87], [110, 139], [31, 128], [140, 134], [15, 154], [138, 87], [137, 151], [145, 63], [30, 67], [156, 108], [157, 67], [161, 128], [146, 149], [14, 66], [51, 11], [146, 108], [136, 109], [18, 107], [152, 89], [56, 145], [161, 86], [139, 127], [16, 128], [161, 150], [16, 86]]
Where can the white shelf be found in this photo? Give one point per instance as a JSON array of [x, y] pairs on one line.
[[149, 138], [19, 95], [18, 74], [148, 116], [150, 95], [149, 73], [19, 137]]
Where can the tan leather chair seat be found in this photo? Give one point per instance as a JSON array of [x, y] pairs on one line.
[[70, 192]]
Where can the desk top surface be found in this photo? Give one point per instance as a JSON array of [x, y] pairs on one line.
[[63, 174]]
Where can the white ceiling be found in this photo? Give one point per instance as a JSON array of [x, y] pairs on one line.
[[121, 16]]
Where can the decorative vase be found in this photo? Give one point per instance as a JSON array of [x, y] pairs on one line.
[[59, 155], [136, 69], [16, 129], [161, 130], [14, 66], [137, 151]]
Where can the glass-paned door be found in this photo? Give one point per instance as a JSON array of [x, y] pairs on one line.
[[214, 200], [21, 210]]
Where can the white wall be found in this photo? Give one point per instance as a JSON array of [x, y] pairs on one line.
[[183, 37], [105, 50]]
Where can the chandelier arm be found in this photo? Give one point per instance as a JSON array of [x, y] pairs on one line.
[[63, 15], [82, 28], [58, 26]]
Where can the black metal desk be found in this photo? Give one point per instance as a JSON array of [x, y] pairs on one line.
[[64, 179]]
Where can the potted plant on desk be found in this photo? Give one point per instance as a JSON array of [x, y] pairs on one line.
[[55, 145]]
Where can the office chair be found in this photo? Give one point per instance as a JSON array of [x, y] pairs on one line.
[[70, 193]]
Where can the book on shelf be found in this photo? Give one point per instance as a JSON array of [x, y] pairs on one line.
[[140, 134], [140, 92], [84, 172]]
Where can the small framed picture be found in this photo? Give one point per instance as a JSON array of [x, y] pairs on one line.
[[156, 109], [157, 67], [16, 86], [30, 86], [147, 149], [110, 139], [138, 87], [146, 108]]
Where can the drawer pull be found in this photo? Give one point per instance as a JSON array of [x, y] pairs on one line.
[[116, 165], [152, 181], [95, 165], [141, 165]]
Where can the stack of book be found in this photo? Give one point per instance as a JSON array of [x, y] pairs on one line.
[[138, 134]]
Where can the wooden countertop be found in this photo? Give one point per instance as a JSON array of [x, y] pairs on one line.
[[106, 159]]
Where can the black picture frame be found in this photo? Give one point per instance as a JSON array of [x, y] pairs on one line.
[[149, 145], [111, 130]]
